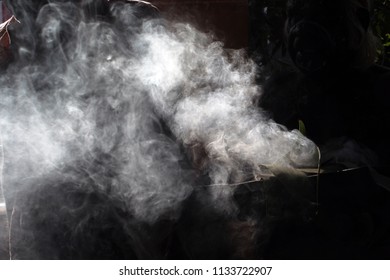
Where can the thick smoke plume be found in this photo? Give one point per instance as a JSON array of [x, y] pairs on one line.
[[124, 107]]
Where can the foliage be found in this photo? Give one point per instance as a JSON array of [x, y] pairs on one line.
[[267, 18], [381, 27]]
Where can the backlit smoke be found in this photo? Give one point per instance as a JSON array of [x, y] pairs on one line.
[[136, 96]]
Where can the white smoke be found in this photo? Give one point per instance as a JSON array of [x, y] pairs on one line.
[[208, 96], [143, 94]]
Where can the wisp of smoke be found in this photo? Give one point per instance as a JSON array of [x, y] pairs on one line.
[[122, 103]]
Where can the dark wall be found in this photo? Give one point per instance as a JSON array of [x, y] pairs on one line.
[[228, 19]]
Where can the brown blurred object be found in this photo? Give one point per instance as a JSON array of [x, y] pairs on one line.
[[5, 41], [227, 19]]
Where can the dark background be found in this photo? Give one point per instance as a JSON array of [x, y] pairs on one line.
[[258, 24]]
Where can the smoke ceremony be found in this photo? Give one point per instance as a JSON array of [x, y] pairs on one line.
[[130, 132]]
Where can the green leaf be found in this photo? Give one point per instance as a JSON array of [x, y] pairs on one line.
[[302, 127]]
